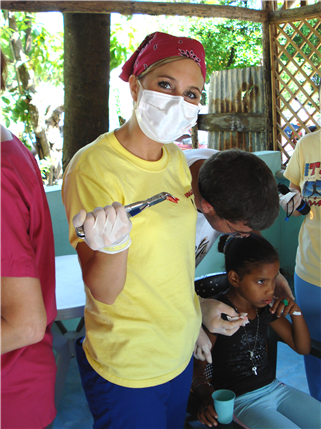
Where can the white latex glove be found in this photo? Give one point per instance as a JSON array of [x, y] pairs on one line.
[[212, 311], [202, 349], [290, 201], [106, 229]]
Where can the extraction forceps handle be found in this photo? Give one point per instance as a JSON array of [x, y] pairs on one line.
[[136, 208]]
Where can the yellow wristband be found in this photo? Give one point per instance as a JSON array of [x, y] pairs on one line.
[[120, 247]]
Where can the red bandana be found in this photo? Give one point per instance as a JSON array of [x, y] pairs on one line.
[[158, 46]]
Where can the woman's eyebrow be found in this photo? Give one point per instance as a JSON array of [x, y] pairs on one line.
[[172, 78], [197, 89]]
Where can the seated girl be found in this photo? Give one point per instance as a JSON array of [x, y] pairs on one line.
[[240, 362]]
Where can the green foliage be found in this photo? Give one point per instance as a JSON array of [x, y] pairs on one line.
[[44, 59], [14, 108], [41, 54], [228, 43], [44, 166], [119, 52], [45, 55]]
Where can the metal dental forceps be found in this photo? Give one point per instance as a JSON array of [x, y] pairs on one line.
[[136, 208]]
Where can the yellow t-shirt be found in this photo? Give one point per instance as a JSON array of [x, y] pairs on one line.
[[304, 170], [147, 336]]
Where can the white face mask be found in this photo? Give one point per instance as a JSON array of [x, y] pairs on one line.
[[163, 117]]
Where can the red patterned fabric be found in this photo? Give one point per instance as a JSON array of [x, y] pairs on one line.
[[158, 46]]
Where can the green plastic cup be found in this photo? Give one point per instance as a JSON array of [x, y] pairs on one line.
[[224, 405]]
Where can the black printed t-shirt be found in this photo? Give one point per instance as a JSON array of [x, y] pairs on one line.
[[232, 366]]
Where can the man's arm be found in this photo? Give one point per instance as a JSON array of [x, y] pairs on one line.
[[23, 313]]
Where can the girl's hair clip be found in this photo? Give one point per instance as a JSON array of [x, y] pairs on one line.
[[227, 242]]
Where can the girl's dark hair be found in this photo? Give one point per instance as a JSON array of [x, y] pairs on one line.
[[3, 71], [242, 255]]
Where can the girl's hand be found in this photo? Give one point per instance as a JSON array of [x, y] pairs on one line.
[[285, 306], [206, 413]]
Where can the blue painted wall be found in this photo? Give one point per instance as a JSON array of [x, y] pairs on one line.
[[59, 221]]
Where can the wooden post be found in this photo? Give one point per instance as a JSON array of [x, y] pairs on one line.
[[267, 6], [86, 74], [195, 142]]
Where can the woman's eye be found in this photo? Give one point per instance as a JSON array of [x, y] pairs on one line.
[[191, 95], [164, 84]]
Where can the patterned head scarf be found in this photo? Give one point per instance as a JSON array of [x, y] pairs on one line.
[[158, 46]]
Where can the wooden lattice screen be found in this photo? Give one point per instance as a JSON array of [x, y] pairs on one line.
[[296, 76]]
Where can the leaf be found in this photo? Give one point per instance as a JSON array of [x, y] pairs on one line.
[[5, 100], [219, 37]]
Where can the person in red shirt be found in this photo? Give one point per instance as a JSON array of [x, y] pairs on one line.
[[28, 304]]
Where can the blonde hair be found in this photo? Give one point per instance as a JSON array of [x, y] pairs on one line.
[[160, 63]]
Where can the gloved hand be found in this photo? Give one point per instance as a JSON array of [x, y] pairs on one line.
[[202, 349], [106, 229], [212, 317], [290, 201]]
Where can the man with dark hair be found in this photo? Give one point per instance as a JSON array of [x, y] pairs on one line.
[[235, 192], [240, 198]]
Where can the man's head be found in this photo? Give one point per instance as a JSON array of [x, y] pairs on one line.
[[238, 188]]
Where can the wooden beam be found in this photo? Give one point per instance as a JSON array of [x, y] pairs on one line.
[[238, 122], [307, 12], [134, 7]]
